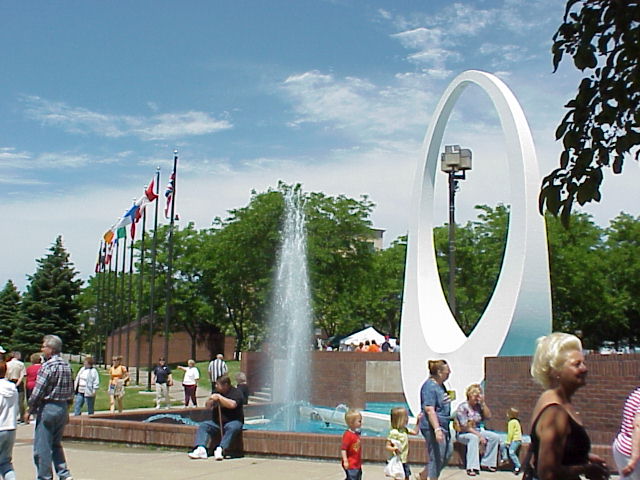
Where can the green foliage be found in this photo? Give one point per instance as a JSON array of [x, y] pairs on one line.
[[340, 260], [602, 126], [623, 272], [479, 253], [50, 304], [10, 315], [382, 300], [237, 259]]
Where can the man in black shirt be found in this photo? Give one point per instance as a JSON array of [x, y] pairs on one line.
[[161, 376], [226, 406]]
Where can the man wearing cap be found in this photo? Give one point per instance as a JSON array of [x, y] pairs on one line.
[[49, 402]]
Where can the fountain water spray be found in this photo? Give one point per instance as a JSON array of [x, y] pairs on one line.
[[291, 318]]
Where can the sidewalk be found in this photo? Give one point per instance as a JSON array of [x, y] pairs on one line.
[[93, 461]]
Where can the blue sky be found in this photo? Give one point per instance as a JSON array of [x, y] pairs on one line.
[[336, 95]]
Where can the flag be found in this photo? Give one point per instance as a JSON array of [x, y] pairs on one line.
[[135, 212], [150, 191], [108, 254], [99, 260], [108, 236], [169, 194], [121, 233]]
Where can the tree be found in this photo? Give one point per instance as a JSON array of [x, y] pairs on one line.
[[50, 305], [340, 260], [602, 126], [623, 273], [382, 302], [237, 259], [9, 312], [581, 293], [479, 252]]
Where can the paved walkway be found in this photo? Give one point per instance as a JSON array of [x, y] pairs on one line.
[[93, 461]]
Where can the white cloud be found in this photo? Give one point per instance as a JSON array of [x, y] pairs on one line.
[[357, 107], [156, 127]]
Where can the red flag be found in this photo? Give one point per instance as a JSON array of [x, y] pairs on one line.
[[150, 193]]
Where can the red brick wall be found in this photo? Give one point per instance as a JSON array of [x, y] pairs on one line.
[[338, 377], [179, 347]]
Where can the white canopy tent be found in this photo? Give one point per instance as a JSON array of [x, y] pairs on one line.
[[368, 333]]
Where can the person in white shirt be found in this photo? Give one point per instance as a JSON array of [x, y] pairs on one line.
[[190, 382], [16, 372], [8, 422], [85, 387]]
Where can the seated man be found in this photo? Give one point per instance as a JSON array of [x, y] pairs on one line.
[[226, 406]]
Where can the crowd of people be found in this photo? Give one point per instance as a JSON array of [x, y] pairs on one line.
[[46, 390], [560, 446], [388, 345]]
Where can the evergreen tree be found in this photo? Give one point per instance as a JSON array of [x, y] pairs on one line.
[[9, 312], [50, 305]]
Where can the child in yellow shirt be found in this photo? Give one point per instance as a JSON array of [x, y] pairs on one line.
[[514, 440]]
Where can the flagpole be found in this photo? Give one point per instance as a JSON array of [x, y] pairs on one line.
[[108, 324], [121, 321], [114, 306], [154, 250], [167, 316], [97, 320], [140, 299], [129, 300]]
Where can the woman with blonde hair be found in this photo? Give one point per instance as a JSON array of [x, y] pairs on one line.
[[470, 417], [118, 377], [560, 444]]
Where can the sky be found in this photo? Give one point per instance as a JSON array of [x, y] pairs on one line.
[[334, 94]]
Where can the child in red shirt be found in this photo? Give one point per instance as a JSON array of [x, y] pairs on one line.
[[351, 448]]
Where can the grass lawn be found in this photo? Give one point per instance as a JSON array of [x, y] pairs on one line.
[[134, 399]]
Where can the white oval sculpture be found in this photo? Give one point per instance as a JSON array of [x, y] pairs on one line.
[[520, 308]]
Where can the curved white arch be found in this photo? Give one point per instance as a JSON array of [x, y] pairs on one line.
[[520, 308]]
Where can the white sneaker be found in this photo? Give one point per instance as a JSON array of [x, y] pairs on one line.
[[217, 453], [198, 453]]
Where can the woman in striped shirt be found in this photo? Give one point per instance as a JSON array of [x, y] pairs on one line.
[[626, 446]]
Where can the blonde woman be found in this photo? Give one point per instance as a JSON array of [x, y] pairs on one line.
[[471, 416], [118, 377], [560, 444]]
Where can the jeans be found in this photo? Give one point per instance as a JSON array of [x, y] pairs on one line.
[[47, 441], [490, 457], [7, 439], [78, 402], [512, 450], [621, 461], [438, 452], [208, 429]]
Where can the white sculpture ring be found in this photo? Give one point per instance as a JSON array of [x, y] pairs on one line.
[[519, 310]]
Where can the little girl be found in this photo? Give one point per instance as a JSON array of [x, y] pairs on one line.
[[398, 439], [514, 439]]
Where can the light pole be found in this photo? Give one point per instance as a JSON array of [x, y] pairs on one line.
[[454, 162]]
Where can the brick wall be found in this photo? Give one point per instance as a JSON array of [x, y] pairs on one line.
[[338, 377], [179, 347]]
